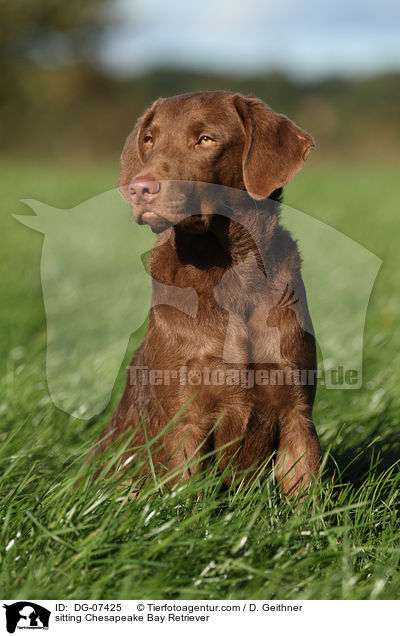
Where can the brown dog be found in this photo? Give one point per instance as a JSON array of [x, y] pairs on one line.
[[239, 352]]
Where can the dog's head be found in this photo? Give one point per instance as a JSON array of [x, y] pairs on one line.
[[184, 142]]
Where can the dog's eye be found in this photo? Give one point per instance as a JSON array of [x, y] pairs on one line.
[[205, 140], [148, 140]]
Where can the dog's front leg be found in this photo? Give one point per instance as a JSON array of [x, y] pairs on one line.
[[185, 446], [287, 386], [298, 454]]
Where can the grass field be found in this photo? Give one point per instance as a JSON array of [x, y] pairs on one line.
[[342, 543]]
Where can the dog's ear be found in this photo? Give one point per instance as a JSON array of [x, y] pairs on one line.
[[131, 162], [275, 148]]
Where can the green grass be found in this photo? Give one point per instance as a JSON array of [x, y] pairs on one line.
[[343, 542]]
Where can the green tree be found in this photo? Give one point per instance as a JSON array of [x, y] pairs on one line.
[[47, 30]]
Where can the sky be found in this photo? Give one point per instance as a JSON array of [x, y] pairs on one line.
[[308, 38]]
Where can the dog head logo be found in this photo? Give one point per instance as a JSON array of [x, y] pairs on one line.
[[97, 293], [26, 615]]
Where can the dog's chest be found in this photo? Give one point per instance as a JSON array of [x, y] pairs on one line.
[[194, 310]]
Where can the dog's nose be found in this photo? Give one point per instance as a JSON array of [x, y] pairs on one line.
[[144, 189]]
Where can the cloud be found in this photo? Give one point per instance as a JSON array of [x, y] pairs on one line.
[[308, 37]]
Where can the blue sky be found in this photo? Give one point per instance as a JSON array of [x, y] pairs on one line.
[[306, 38]]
